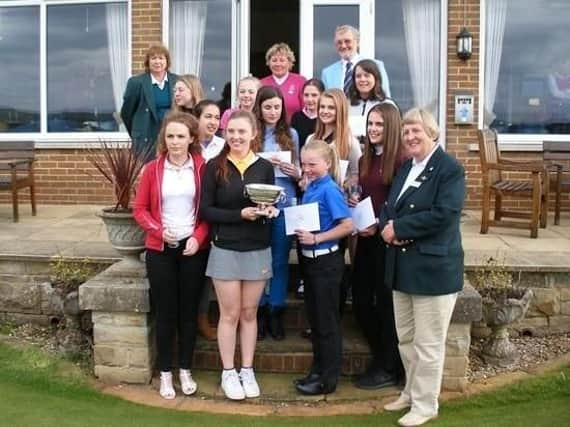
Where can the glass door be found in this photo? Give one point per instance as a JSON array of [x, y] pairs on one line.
[[319, 19]]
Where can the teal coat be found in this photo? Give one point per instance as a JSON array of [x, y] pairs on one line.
[[139, 110], [428, 216]]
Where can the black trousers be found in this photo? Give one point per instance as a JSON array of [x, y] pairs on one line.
[[176, 283], [323, 277], [373, 305]]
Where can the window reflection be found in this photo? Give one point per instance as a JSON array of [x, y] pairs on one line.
[[200, 41], [407, 41], [326, 19], [527, 67], [84, 42], [20, 70]]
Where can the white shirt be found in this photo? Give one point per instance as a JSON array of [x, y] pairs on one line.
[[280, 80], [212, 148], [159, 84], [416, 170], [353, 62], [178, 197]]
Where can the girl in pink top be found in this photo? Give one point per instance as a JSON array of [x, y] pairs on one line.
[[280, 59], [247, 92]]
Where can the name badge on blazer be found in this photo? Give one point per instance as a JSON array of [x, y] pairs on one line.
[[415, 184]]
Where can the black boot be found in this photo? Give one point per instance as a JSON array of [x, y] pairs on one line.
[[262, 314], [276, 323]]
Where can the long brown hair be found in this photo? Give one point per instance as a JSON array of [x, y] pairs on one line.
[[185, 119], [391, 142], [376, 93], [283, 134], [221, 160], [342, 134]]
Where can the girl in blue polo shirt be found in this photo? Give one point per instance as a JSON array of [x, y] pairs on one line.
[[323, 267]]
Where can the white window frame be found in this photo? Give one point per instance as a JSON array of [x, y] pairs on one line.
[[58, 140], [240, 35], [510, 141], [367, 48]]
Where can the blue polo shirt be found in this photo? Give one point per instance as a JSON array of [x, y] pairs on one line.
[[332, 206]]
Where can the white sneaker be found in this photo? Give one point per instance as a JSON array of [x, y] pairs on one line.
[[412, 419], [250, 386], [166, 388], [231, 385], [397, 405], [187, 383]]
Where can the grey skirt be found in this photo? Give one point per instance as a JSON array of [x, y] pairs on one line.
[[225, 264]]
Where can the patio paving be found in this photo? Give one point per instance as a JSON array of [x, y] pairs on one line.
[[76, 231]]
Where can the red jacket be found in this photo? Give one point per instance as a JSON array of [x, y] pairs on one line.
[[147, 208]]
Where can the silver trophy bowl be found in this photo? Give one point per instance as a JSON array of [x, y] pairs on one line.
[[264, 195]]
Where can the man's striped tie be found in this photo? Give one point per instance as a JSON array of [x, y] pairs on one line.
[[347, 78]]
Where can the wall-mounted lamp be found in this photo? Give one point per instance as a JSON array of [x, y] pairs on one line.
[[464, 44]]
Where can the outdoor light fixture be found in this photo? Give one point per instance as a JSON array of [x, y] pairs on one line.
[[464, 39], [464, 44]]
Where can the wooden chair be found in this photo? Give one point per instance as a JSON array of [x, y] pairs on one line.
[[534, 188], [554, 152], [17, 171]]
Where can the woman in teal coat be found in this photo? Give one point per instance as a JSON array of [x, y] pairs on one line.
[[424, 261], [147, 99]]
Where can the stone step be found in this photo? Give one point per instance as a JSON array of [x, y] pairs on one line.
[[291, 355]]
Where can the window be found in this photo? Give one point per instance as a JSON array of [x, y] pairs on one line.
[[86, 67], [20, 70], [408, 42], [200, 42], [527, 86]]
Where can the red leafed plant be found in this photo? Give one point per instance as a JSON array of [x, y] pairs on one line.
[[120, 164]]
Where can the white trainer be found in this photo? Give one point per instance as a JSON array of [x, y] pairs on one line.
[[231, 385], [397, 405], [187, 383], [166, 387], [412, 419], [249, 383]]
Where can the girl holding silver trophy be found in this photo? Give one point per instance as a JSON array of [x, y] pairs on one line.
[[240, 258]]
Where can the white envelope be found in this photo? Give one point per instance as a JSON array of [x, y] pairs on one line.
[[343, 169], [283, 156], [302, 217], [363, 214]]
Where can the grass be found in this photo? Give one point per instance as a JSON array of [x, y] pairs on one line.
[[40, 390]]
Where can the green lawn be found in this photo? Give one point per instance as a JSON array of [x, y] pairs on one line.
[[36, 390]]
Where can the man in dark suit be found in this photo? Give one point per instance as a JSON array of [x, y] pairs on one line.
[[147, 99], [424, 261]]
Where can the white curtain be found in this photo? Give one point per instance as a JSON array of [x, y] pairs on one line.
[[117, 37], [494, 33], [187, 33], [422, 30]]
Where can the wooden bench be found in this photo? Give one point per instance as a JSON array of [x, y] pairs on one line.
[[17, 171], [534, 187], [557, 152]]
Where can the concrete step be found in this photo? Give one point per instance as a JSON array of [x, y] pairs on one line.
[[292, 355]]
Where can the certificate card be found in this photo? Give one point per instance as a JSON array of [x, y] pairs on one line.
[[283, 156], [357, 125], [302, 217], [363, 214], [343, 169]]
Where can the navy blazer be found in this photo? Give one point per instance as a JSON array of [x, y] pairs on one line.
[[428, 216], [139, 109]]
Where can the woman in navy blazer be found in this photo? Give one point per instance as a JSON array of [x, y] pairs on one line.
[[147, 99], [424, 261]]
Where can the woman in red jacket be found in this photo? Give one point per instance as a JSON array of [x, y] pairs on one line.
[[166, 207]]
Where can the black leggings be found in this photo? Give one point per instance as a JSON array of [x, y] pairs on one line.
[[176, 283]]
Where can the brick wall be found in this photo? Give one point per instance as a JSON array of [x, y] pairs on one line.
[[146, 29]]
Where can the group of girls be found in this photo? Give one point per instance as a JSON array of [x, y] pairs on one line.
[[200, 223]]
